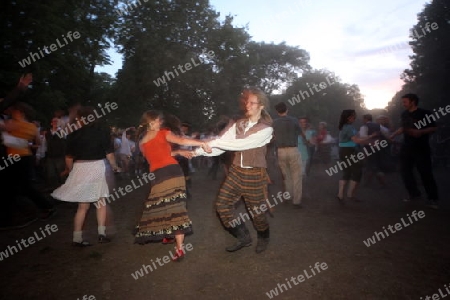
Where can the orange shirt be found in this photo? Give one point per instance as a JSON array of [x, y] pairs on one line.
[[24, 130], [157, 151]]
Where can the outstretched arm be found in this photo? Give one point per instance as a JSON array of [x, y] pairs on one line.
[[365, 140], [254, 140], [229, 142], [397, 132], [69, 166], [174, 139], [201, 152], [24, 81], [419, 132]]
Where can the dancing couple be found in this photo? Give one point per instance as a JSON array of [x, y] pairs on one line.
[[165, 216]]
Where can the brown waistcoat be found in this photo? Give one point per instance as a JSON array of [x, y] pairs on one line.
[[255, 157]]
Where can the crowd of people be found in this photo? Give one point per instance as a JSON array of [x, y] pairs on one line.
[[79, 166]]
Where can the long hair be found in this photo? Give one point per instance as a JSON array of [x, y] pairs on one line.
[[346, 113], [147, 117], [262, 99], [25, 109], [172, 123], [83, 113]]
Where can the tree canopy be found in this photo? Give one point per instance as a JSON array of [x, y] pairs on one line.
[[41, 38], [179, 56], [429, 72]]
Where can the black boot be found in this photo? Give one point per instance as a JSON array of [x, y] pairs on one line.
[[263, 240], [244, 239]]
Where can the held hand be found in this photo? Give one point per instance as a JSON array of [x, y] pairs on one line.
[[25, 80], [186, 153], [64, 173], [414, 132], [206, 148], [375, 134]]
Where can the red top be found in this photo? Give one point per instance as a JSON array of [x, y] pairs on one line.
[[157, 151]]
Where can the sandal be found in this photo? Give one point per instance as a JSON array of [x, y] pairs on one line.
[[102, 239], [179, 255], [81, 244], [354, 199], [341, 200], [167, 241]]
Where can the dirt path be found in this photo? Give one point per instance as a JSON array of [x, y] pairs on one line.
[[409, 264]]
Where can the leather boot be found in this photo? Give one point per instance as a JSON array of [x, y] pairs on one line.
[[243, 238], [263, 240]]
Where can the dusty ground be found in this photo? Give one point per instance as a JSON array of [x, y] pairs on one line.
[[409, 264]]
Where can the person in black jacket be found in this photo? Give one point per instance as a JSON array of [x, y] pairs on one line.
[[416, 150], [89, 163]]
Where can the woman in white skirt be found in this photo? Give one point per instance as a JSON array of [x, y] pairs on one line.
[[90, 163]]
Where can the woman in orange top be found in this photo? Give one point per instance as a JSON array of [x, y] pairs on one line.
[[19, 172], [164, 216]]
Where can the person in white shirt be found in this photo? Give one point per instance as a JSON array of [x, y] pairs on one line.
[[126, 150], [374, 162], [247, 177], [117, 144]]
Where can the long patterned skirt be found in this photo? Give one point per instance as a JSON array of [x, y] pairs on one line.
[[164, 213]]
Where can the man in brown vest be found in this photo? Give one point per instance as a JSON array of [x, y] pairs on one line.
[[247, 176]]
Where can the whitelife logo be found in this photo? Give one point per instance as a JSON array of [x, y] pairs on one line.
[[86, 297], [304, 94], [71, 127], [300, 278], [437, 296], [402, 45], [48, 50], [203, 58], [165, 260], [11, 250], [128, 7], [259, 210], [428, 25], [128, 189], [11, 159], [431, 118], [398, 227], [355, 158]]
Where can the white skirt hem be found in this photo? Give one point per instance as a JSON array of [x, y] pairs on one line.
[[87, 182]]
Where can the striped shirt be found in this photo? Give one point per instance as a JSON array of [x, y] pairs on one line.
[[25, 130]]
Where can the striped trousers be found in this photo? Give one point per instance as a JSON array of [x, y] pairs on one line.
[[251, 184]]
